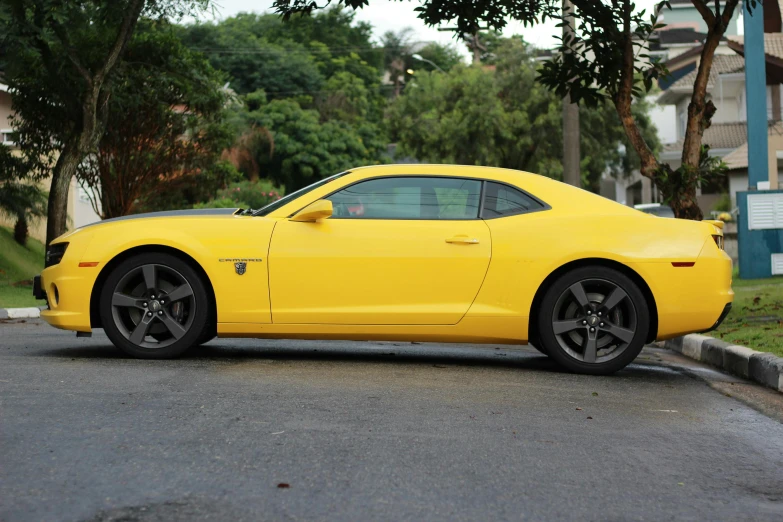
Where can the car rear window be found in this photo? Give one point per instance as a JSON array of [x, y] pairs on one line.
[[503, 200]]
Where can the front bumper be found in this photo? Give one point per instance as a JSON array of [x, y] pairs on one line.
[[67, 289], [38, 291]]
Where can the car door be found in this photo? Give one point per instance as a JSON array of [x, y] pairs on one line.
[[396, 250]]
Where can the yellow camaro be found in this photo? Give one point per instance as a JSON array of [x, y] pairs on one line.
[[398, 252]]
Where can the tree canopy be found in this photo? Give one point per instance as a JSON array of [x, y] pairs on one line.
[[165, 128], [59, 60], [505, 118], [604, 58]]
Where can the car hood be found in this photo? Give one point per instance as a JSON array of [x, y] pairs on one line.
[[170, 213]]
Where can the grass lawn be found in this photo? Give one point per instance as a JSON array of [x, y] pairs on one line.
[[756, 318], [18, 265]]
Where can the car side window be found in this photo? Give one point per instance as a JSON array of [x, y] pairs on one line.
[[409, 197], [502, 200]]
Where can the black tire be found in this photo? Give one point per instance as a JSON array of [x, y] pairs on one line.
[[149, 326], [536, 343], [597, 330]]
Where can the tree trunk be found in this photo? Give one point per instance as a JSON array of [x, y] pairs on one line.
[[623, 99], [63, 172], [700, 111], [94, 115]]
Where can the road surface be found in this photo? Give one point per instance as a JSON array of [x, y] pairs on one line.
[[278, 430]]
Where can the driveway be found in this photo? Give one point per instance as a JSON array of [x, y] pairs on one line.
[[276, 430]]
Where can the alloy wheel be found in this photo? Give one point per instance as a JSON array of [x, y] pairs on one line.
[[153, 306], [594, 320]]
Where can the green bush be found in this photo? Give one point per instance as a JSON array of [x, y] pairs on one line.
[[221, 203], [724, 203], [257, 194]]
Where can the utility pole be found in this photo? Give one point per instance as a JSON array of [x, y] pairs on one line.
[[571, 153]]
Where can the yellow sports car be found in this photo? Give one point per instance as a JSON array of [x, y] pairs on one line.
[[398, 252]]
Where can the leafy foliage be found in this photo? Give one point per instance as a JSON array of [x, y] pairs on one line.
[[467, 15], [590, 65], [59, 60], [444, 56], [20, 196], [306, 149], [165, 128], [605, 58], [506, 119], [222, 202]]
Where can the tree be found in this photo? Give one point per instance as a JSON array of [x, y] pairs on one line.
[[164, 130], [444, 56], [20, 196], [504, 118], [252, 61], [260, 52], [606, 60], [397, 54], [306, 149], [59, 61]]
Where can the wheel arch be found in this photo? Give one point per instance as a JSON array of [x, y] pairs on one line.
[[594, 261], [95, 316]]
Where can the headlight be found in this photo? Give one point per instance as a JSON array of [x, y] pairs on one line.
[[55, 254]]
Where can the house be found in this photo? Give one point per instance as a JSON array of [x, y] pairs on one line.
[[684, 15], [80, 211]]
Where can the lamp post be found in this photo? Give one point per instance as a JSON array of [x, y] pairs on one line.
[[423, 59]]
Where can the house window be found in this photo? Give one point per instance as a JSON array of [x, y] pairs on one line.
[[8, 137]]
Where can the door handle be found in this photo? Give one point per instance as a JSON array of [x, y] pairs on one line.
[[464, 240]]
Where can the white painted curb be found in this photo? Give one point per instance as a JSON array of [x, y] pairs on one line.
[[764, 368], [23, 313]]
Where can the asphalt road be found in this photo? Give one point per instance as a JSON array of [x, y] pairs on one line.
[[380, 431]]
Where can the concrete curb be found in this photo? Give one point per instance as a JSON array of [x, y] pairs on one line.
[[764, 368], [20, 313]]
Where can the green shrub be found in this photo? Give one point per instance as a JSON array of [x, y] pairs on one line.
[[221, 203], [724, 203], [257, 194]]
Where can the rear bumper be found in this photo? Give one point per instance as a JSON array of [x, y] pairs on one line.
[[690, 299], [723, 314]]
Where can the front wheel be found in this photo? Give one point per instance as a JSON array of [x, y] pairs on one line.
[[593, 320], [154, 306]]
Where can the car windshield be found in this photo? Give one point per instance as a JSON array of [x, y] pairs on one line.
[[293, 195]]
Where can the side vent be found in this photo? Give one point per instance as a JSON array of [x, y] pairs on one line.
[[777, 264], [765, 211]]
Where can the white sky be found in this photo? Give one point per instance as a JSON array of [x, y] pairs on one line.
[[388, 15]]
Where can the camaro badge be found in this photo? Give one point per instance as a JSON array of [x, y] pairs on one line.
[[240, 265]]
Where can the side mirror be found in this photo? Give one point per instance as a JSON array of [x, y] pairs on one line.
[[320, 209]]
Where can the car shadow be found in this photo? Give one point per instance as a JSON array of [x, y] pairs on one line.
[[430, 354]]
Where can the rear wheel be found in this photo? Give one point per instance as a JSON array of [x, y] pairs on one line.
[[593, 320], [155, 306]]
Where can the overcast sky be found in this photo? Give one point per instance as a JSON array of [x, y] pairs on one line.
[[387, 15]]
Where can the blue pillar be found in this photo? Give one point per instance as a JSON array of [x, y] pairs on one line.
[[756, 95]]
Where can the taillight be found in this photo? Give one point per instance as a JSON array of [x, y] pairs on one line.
[[55, 254], [718, 240]]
